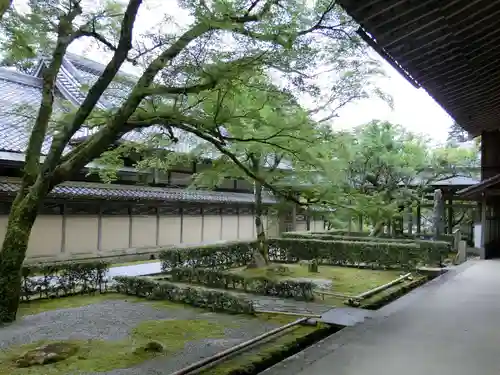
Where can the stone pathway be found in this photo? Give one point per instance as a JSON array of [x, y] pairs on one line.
[[274, 304]]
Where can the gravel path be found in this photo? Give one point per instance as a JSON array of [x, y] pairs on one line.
[[114, 320]]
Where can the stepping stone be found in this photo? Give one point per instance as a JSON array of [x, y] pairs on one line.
[[346, 316]]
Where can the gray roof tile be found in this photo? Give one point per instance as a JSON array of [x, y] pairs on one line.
[[131, 193], [19, 96], [76, 73]]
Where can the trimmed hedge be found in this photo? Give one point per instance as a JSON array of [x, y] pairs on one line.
[[442, 246], [343, 253], [379, 254], [63, 279], [300, 290], [221, 256], [415, 236], [162, 290]]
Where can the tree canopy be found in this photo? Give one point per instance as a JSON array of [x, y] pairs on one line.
[[378, 168]]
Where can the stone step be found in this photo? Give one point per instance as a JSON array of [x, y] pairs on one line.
[[346, 316]]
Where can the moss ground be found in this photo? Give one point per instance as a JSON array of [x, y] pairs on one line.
[[345, 280], [100, 356]]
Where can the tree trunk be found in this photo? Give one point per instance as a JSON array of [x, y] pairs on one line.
[[377, 228], [4, 6], [260, 256], [21, 219]]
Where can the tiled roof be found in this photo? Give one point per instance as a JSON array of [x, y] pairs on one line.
[[132, 193], [18, 94], [457, 181], [76, 73]]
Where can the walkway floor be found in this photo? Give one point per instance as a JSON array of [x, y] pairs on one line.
[[450, 326], [136, 269]]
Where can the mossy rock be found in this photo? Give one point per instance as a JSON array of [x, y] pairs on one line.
[[150, 347], [48, 353], [279, 270]]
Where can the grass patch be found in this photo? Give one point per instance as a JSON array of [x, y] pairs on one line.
[[345, 280], [100, 356]]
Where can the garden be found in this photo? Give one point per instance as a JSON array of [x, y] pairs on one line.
[[73, 317]]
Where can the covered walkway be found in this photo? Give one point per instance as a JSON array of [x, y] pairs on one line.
[[450, 326]]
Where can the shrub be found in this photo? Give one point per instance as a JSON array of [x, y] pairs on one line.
[[442, 246], [376, 253], [300, 290], [162, 290], [342, 232], [225, 255], [342, 252], [63, 279]]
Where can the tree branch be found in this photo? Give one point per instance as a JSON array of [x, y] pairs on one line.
[[174, 121], [247, 17], [4, 6], [40, 127], [172, 90], [124, 45], [116, 127]]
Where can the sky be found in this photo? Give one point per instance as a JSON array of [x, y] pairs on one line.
[[413, 108]]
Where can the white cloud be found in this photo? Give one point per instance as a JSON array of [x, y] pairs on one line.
[[413, 108]]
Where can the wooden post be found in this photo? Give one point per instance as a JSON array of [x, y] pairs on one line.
[[294, 217], [360, 223], [450, 216], [483, 229], [410, 220], [419, 220]]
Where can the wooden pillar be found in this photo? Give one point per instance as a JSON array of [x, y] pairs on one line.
[[490, 154], [410, 220], [450, 216], [483, 229], [419, 219], [360, 223]]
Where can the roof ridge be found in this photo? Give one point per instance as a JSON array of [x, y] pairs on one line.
[[95, 66], [100, 185], [19, 77]]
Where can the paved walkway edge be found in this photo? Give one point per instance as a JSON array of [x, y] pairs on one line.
[[303, 359]]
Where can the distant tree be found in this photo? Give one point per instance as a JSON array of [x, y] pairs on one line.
[[457, 135], [378, 168]]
